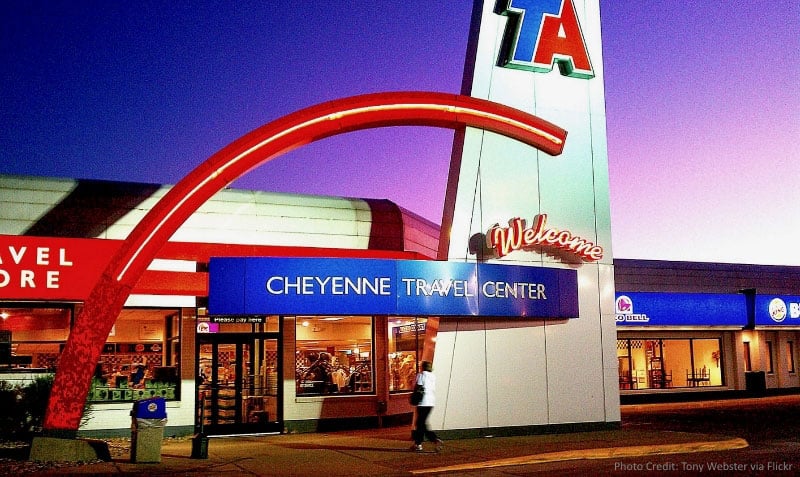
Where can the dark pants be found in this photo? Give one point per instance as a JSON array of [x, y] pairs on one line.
[[421, 431]]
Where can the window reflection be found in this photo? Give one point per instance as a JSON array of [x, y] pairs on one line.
[[32, 338], [406, 337], [334, 355]]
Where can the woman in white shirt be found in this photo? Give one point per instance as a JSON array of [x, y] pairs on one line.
[[427, 379]]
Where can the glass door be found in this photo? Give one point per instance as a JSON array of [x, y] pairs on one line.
[[238, 384]]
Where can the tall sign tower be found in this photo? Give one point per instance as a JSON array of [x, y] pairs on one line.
[[512, 204]]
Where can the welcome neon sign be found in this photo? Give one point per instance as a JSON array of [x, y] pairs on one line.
[[517, 236]]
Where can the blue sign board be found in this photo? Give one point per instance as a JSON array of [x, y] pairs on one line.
[[315, 286], [680, 309], [777, 310]]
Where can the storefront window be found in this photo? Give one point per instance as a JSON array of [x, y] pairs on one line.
[[790, 356], [406, 337], [32, 338], [334, 355], [173, 354], [140, 357], [667, 363]]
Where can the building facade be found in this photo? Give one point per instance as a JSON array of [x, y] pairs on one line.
[[282, 313], [538, 291], [695, 327], [680, 327], [242, 374]]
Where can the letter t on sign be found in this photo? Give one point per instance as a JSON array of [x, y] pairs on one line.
[[540, 33]]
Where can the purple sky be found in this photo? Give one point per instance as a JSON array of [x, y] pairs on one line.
[[703, 105]]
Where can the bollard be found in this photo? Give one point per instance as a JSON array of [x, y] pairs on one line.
[[200, 440], [200, 446]]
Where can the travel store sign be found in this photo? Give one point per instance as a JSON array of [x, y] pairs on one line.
[[43, 268], [316, 286], [542, 33]]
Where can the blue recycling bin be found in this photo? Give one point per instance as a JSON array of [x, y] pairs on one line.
[[148, 419]]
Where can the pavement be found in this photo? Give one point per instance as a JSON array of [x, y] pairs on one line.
[[386, 452]]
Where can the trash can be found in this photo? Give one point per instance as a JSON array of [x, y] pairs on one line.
[[148, 418], [755, 382]]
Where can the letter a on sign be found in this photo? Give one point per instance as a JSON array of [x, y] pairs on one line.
[[540, 33]]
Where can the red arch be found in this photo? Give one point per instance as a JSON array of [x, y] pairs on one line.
[[109, 294]]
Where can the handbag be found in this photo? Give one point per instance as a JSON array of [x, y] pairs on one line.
[[417, 394]]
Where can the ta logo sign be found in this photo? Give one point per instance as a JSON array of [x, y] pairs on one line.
[[540, 33]]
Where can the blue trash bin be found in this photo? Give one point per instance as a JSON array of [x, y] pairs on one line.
[[149, 417]]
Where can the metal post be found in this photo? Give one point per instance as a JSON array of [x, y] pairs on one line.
[[200, 440]]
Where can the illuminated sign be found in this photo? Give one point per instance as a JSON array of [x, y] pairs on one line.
[[540, 33], [625, 314], [206, 327], [654, 309], [412, 328], [780, 310], [44, 260], [504, 240], [237, 319], [50, 268], [315, 286]]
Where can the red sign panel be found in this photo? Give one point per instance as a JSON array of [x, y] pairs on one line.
[[47, 268]]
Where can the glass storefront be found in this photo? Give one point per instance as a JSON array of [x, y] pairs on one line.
[[33, 337], [334, 355], [660, 363], [140, 358], [238, 374], [406, 338]]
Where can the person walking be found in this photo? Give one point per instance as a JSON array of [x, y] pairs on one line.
[[427, 379]]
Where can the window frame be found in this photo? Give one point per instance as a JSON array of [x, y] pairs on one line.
[[307, 358]]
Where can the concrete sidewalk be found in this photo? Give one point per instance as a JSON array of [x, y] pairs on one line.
[[385, 452]]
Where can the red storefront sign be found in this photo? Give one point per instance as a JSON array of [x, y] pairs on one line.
[[65, 269], [57, 268], [48, 268]]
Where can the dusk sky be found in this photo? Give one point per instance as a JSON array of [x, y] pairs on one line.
[[703, 105]]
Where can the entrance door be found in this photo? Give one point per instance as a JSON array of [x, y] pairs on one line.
[[238, 384]]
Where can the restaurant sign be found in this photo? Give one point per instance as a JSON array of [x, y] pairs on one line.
[[680, 309], [260, 285], [777, 310]]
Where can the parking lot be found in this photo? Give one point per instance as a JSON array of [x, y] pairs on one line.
[[699, 437]]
